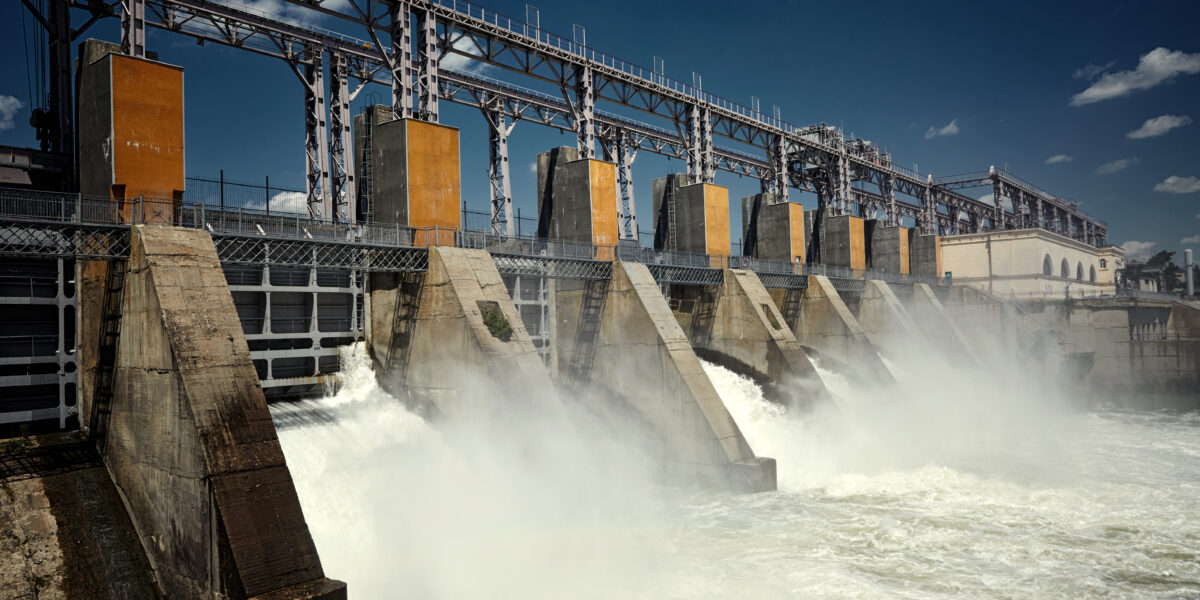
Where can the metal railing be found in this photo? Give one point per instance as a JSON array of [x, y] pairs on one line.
[[23, 205]]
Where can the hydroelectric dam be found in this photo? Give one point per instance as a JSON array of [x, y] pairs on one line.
[[203, 396]]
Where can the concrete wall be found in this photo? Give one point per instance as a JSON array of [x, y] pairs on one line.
[[884, 318], [415, 167], [1142, 353], [577, 200], [925, 255], [772, 231], [935, 321], [887, 247], [701, 217], [643, 358], [190, 444], [450, 339], [748, 334], [843, 242], [826, 325], [1013, 263]]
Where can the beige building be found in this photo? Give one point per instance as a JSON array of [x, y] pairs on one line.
[[1030, 263]]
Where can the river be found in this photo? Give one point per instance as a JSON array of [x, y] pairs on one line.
[[913, 491]]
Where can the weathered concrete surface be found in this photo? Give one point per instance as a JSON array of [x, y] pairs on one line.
[[884, 318], [63, 530], [449, 332], [843, 242], [577, 200], [191, 446], [772, 230], [1141, 353], [933, 319], [925, 254], [748, 334], [827, 325], [701, 217], [90, 278], [887, 247], [643, 356]]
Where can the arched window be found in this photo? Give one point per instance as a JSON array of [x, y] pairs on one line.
[[1064, 270], [1079, 272], [1092, 274], [1047, 266]]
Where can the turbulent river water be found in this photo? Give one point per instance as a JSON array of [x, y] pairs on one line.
[[913, 491]]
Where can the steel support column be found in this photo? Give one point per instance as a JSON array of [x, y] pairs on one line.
[[133, 27], [777, 155], [700, 162], [427, 69], [889, 196], [62, 104], [498, 175], [583, 108], [341, 175], [626, 219], [316, 137], [400, 59]]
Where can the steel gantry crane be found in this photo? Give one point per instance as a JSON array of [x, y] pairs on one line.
[[846, 174]]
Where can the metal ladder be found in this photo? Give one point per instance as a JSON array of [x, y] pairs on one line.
[[367, 181], [791, 307], [588, 331], [671, 242], [106, 361], [702, 319], [408, 300]]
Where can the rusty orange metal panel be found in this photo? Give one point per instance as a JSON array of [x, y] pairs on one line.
[[904, 268], [716, 223], [796, 231], [602, 178], [434, 192], [858, 244], [147, 118]]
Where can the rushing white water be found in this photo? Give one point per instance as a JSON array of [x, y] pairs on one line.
[[880, 498]]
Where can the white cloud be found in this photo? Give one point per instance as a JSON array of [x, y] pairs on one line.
[[949, 129], [9, 105], [1059, 158], [1121, 164], [1191, 240], [1135, 250], [1153, 68], [285, 202], [460, 63], [1005, 201], [1091, 71], [533, 167], [286, 11], [1158, 126], [1179, 185]]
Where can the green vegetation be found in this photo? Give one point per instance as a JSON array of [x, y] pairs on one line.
[[771, 317], [496, 323]]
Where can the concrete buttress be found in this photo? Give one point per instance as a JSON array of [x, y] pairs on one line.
[[643, 357], [189, 441], [933, 318], [884, 318], [827, 325], [748, 334], [449, 341]]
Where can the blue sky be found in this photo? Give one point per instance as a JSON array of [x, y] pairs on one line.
[[1008, 84]]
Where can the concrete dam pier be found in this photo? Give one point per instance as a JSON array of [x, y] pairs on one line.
[[154, 332]]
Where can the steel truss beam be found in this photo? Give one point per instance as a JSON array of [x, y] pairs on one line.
[[484, 36], [686, 275], [552, 267]]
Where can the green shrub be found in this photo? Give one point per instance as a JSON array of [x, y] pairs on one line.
[[496, 323]]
